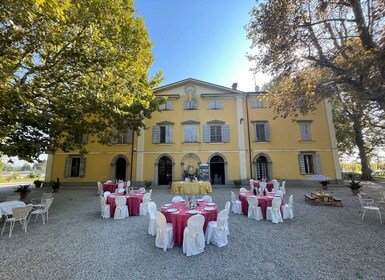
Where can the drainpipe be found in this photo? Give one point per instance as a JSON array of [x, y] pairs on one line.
[[132, 154], [248, 135]]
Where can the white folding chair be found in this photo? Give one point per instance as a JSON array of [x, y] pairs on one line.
[[216, 230], [152, 213], [237, 205], [288, 209], [177, 198], [42, 211], [273, 212], [207, 198], [143, 205], [164, 232], [104, 208], [38, 203], [19, 214], [254, 211], [121, 210], [193, 236]]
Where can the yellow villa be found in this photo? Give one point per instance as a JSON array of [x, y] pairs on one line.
[[227, 133]]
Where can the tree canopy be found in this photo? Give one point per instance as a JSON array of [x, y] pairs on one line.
[[316, 48], [69, 69]]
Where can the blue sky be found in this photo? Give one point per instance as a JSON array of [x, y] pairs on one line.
[[205, 40]]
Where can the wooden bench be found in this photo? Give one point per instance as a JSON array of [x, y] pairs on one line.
[[337, 202], [310, 199]]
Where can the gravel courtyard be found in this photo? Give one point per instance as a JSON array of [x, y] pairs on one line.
[[321, 242]]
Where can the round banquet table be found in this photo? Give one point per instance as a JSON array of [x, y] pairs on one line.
[[111, 187], [179, 219], [269, 185], [263, 202], [132, 200]]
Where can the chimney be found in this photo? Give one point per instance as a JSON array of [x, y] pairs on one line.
[[234, 86]]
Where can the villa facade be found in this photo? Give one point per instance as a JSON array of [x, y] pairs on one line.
[[229, 131]]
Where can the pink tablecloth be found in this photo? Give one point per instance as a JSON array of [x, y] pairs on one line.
[[269, 185], [133, 203], [111, 187], [263, 202], [179, 220]]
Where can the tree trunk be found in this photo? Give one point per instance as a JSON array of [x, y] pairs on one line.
[[366, 173]]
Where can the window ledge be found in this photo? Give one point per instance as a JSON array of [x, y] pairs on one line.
[[216, 143], [263, 142], [192, 143], [165, 144], [306, 142]]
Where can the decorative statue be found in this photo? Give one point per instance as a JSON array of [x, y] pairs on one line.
[[190, 169]]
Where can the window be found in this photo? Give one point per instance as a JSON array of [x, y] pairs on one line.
[[215, 104], [162, 133], [124, 137], [216, 132], [305, 130], [256, 103], [75, 166], [262, 131], [166, 106], [190, 133], [310, 163], [190, 105]]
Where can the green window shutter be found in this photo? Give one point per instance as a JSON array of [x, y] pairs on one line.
[[267, 132], [155, 134], [67, 167], [206, 133], [226, 133], [82, 167], [301, 164], [130, 135], [318, 168]]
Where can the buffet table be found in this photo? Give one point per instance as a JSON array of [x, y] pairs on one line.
[[199, 187]]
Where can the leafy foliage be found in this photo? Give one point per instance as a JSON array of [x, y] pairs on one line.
[[70, 69], [23, 189], [353, 185]]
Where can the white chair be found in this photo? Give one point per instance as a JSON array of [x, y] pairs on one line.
[[42, 211], [177, 198], [288, 209], [262, 186], [100, 188], [151, 207], [121, 210], [19, 214], [193, 236], [120, 188], [128, 183], [237, 205], [105, 208], [142, 190], [243, 190], [279, 193], [150, 192], [106, 194], [144, 204], [39, 202], [368, 204], [164, 232], [273, 212], [283, 187], [254, 211], [275, 186], [216, 230], [251, 184], [227, 208], [207, 198]]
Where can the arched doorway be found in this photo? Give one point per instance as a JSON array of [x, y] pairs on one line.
[[121, 167], [262, 168], [164, 170], [217, 170]]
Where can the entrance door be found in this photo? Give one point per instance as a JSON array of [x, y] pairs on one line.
[[262, 172], [164, 170], [217, 170], [121, 167]]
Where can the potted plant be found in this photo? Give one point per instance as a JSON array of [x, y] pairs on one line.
[[147, 183], [38, 183], [23, 190], [355, 187], [324, 184], [55, 185], [237, 183]]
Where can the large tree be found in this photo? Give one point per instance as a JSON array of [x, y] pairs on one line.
[[68, 69]]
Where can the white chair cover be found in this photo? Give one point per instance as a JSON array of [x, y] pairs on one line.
[[142, 190], [150, 192], [100, 188], [164, 232], [207, 198], [193, 236], [237, 205], [144, 204], [262, 186], [288, 209], [216, 230], [273, 213], [106, 194], [152, 213], [283, 187], [177, 198], [42, 211], [227, 208], [243, 190], [105, 208], [121, 210], [275, 186], [254, 211], [128, 183], [120, 188], [279, 193], [251, 184]]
